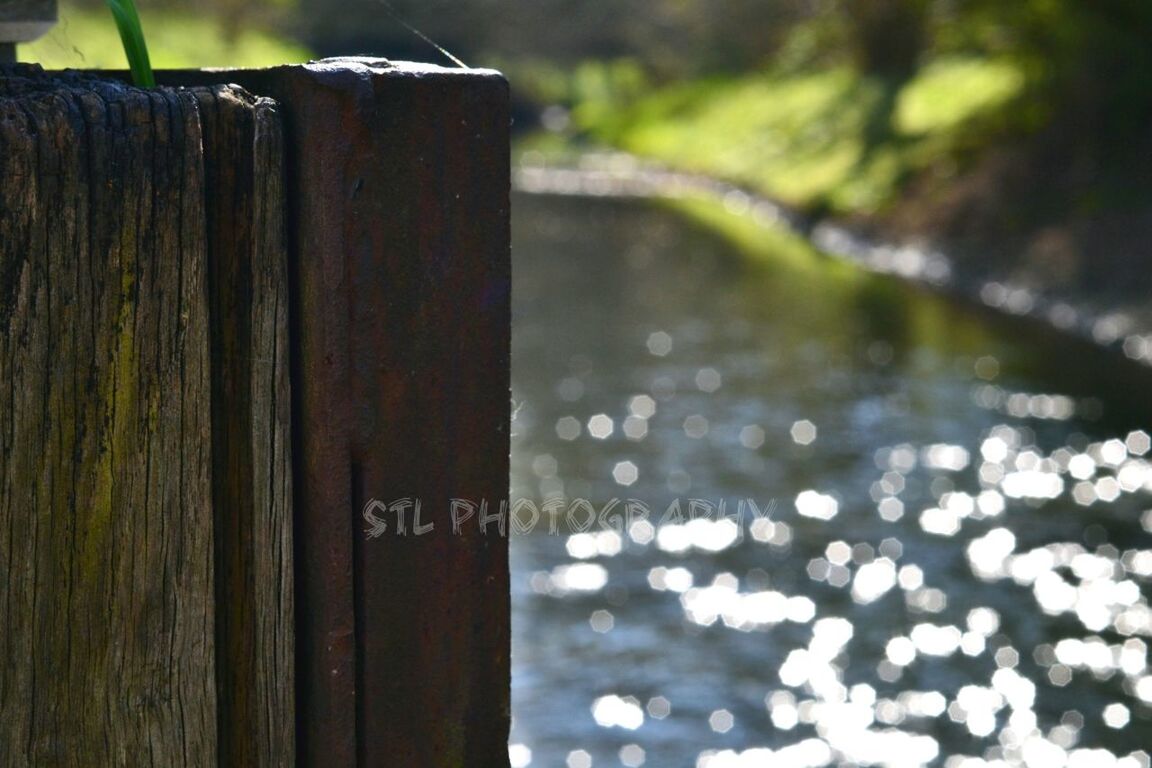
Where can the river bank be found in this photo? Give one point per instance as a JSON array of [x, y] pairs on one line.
[[958, 176], [1044, 275]]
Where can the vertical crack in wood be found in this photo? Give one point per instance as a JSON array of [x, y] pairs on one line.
[[401, 325], [252, 473]]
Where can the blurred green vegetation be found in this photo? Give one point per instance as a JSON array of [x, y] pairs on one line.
[[853, 106], [767, 244], [803, 138], [86, 37], [835, 106]]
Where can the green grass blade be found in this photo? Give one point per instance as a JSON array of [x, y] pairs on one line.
[[132, 36]]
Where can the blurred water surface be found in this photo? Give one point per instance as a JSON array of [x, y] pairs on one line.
[[933, 547]]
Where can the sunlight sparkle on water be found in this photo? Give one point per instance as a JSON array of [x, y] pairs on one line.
[[873, 580], [579, 758], [703, 534], [635, 428], [952, 458], [810, 753], [988, 554], [568, 428], [618, 712], [642, 532], [776, 533], [625, 473], [582, 577], [743, 610], [803, 432], [519, 756], [642, 406], [721, 721], [1032, 484], [659, 343], [752, 436], [600, 426], [985, 621], [708, 380], [584, 546], [1002, 559], [1097, 586], [817, 505], [696, 426], [670, 579], [632, 755], [602, 621], [659, 707], [935, 640]]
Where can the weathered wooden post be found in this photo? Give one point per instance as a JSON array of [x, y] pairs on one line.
[[145, 486], [398, 196], [184, 583]]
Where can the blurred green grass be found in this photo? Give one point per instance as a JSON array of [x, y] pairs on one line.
[[830, 139], [86, 38]]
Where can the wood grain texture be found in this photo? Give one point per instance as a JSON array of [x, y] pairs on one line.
[[398, 191], [401, 196], [105, 501], [251, 410], [110, 527]]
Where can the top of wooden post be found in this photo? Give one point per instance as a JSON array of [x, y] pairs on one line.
[[25, 20]]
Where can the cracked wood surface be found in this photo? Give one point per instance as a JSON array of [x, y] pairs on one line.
[[398, 192], [145, 494]]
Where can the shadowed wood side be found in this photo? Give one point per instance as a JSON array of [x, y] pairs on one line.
[[401, 178], [398, 197], [251, 410]]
